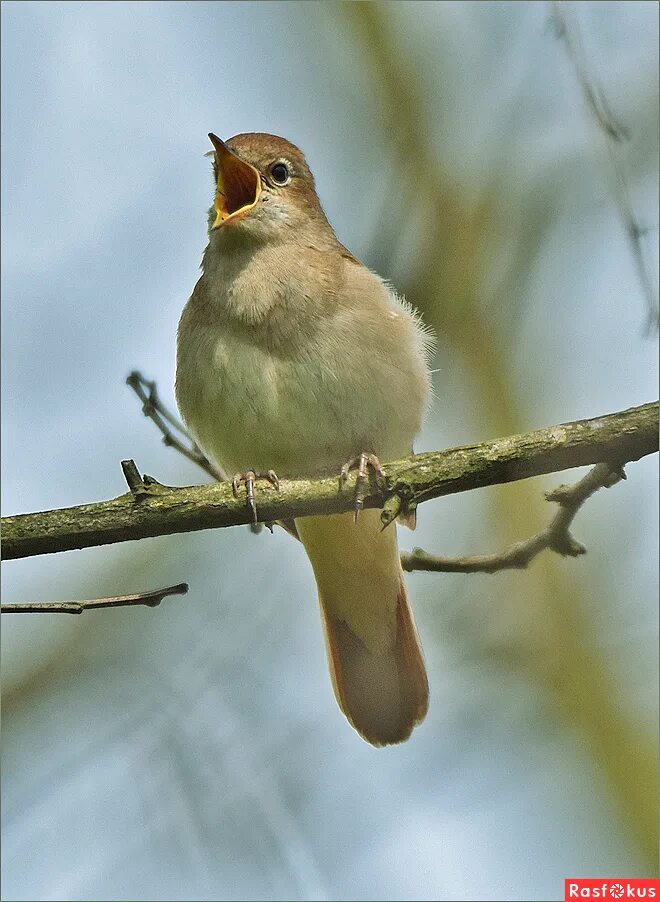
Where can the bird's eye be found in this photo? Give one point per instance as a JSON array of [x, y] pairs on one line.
[[280, 173]]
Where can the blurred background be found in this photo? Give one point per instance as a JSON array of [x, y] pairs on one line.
[[196, 751]]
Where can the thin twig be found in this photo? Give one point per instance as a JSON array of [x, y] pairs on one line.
[[150, 599], [555, 537], [616, 136], [155, 410]]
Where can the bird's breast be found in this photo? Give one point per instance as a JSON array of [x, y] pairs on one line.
[[302, 387], [250, 408]]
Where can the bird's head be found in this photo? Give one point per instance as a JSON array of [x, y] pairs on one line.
[[264, 188]]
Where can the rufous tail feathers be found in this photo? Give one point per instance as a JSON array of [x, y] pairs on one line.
[[375, 659]]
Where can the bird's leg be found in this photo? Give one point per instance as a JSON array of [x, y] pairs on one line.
[[362, 461], [249, 479]]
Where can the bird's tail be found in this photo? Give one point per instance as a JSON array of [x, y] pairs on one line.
[[375, 659]]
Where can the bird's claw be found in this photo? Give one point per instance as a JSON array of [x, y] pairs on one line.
[[362, 461], [249, 478]]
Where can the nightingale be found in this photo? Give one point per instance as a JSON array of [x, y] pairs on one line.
[[295, 359]]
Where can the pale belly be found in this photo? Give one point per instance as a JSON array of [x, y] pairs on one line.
[[249, 408]]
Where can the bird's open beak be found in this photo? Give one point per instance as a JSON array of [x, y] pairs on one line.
[[239, 184]]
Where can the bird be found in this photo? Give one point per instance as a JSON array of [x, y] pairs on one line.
[[296, 360]]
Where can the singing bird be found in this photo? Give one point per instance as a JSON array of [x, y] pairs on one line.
[[295, 359]]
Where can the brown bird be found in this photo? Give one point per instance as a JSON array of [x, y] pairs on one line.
[[294, 358]]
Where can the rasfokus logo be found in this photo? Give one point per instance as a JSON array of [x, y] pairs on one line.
[[614, 888]]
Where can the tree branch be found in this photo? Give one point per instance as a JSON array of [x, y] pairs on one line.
[[555, 537], [152, 509], [150, 599]]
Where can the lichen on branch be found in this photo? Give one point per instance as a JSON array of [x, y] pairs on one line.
[[152, 509]]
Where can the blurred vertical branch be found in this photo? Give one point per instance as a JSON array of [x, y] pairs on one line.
[[616, 137], [554, 643]]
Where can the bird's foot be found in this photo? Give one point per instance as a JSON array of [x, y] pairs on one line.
[[363, 462], [249, 479]]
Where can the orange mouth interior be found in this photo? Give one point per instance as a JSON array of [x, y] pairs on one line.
[[238, 186]]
